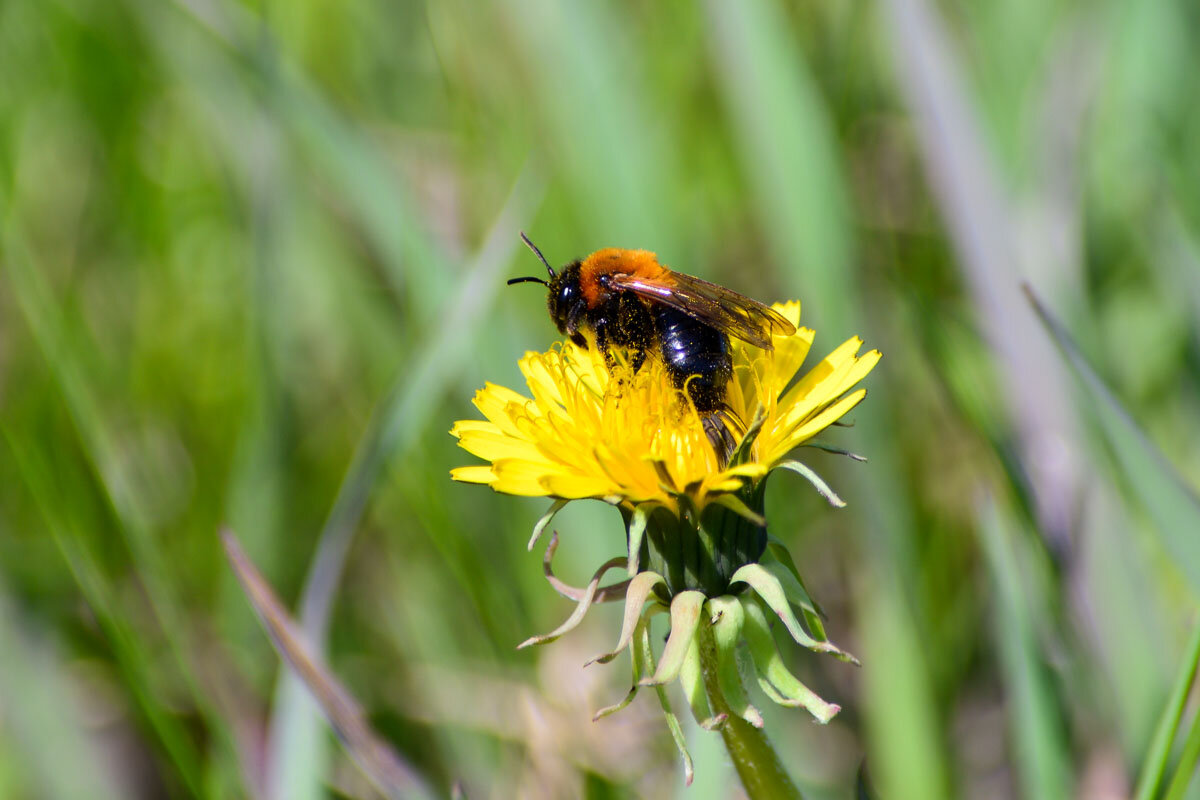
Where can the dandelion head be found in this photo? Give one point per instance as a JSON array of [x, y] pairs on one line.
[[629, 437], [697, 543]]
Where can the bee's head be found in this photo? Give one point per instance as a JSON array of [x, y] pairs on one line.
[[566, 303], [564, 297]]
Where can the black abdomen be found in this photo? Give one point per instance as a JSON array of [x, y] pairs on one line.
[[691, 349]]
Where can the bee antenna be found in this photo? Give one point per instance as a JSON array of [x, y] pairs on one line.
[[538, 253], [527, 280]]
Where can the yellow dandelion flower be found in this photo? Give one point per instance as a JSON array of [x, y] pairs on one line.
[[631, 437], [697, 546]]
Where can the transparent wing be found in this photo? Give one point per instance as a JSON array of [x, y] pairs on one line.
[[724, 309]]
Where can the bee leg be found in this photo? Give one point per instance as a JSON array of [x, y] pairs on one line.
[[716, 429], [601, 329], [733, 423], [572, 326], [610, 360], [637, 358], [635, 327]]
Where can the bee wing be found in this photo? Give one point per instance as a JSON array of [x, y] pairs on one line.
[[724, 309]]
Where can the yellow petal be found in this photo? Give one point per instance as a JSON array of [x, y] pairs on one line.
[[523, 478], [726, 486], [865, 363], [790, 309], [822, 371], [585, 432], [497, 404], [808, 396], [577, 487], [472, 474], [790, 353], [492, 446], [817, 424], [830, 415], [472, 425], [752, 469]]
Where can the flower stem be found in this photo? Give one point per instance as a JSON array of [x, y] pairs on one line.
[[757, 763]]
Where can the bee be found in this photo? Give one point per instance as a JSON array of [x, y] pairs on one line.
[[627, 299]]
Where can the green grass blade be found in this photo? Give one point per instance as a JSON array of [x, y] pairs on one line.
[[133, 662], [902, 729], [378, 761], [785, 137], [1170, 503], [1155, 765], [357, 166], [788, 149], [68, 360], [984, 228], [403, 414], [1043, 761], [43, 719], [583, 66], [1185, 770]]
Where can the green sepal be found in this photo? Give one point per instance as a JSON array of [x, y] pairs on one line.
[[726, 618], [640, 587], [642, 646], [544, 521], [636, 531], [735, 504], [828, 448], [785, 688], [692, 681], [820, 485], [606, 594], [771, 591], [580, 610], [798, 596], [769, 690], [685, 616], [779, 550], [640, 628]]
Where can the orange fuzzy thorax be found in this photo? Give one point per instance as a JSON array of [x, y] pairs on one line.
[[613, 260]]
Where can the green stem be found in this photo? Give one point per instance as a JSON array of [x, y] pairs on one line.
[[756, 761], [1186, 768]]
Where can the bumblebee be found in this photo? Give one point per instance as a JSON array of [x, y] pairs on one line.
[[627, 299]]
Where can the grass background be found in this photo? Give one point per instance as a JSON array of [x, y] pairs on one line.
[[251, 270]]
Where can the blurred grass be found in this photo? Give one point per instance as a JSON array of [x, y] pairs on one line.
[[1155, 766], [1035, 726], [250, 272]]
